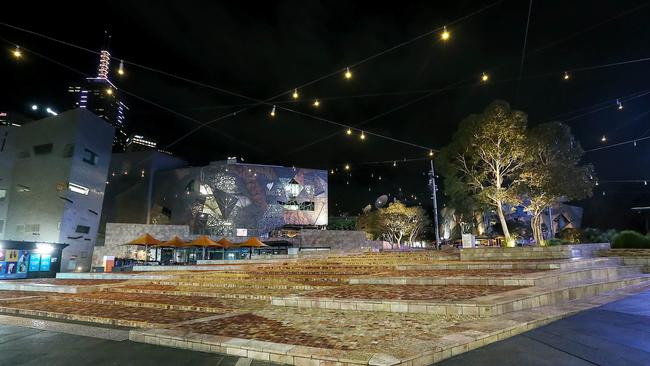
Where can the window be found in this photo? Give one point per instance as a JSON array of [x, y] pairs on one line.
[[2, 226], [43, 149], [3, 194], [68, 150], [76, 188], [22, 188], [306, 206], [90, 157], [82, 229]]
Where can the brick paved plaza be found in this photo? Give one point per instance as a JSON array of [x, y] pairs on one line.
[[379, 309]]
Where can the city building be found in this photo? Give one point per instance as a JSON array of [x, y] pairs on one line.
[[129, 186], [100, 96], [136, 142], [225, 198], [236, 199], [52, 178]]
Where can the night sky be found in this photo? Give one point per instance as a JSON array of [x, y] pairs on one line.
[[261, 49]]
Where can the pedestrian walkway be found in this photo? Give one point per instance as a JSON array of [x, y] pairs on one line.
[[28, 346], [614, 334]]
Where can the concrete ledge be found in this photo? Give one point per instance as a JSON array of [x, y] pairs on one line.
[[533, 252], [110, 276]]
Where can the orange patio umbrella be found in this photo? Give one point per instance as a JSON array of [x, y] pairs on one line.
[[146, 239], [225, 242], [205, 241], [252, 243], [174, 242]]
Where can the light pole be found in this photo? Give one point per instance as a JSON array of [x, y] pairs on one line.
[[435, 204]]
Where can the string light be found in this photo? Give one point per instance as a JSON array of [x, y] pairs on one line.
[[295, 94], [332, 171], [120, 69], [363, 136], [347, 166], [484, 77], [109, 91], [316, 103], [349, 131], [394, 163], [17, 53], [645, 182], [634, 143], [566, 76], [273, 112], [603, 139], [619, 104], [348, 73], [445, 34]]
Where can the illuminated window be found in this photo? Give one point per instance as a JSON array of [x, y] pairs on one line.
[[78, 189], [22, 188], [3, 194]]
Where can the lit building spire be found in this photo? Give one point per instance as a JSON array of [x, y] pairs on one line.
[[104, 64]]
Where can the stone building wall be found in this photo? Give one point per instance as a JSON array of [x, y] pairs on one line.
[[335, 240], [119, 233]]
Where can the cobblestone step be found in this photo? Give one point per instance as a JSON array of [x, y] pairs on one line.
[[548, 278], [485, 306]]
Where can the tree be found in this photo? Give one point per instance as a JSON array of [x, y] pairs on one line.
[[369, 223], [552, 172], [394, 223], [419, 220], [485, 157]]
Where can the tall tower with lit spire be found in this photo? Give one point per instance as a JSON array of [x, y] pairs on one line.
[[100, 96]]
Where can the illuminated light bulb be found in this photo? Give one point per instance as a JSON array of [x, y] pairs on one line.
[[619, 104], [349, 131], [17, 53], [316, 103], [430, 152], [120, 69], [332, 171], [484, 77], [603, 139], [295, 94], [566, 76], [109, 91], [645, 182], [603, 193], [634, 143], [394, 163], [597, 184], [273, 112], [347, 166], [362, 136], [348, 73], [445, 34], [34, 107]]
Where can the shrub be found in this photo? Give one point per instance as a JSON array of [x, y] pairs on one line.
[[571, 235], [630, 239], [593, 235], [554, 241]]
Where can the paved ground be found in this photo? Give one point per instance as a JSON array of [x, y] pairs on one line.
[[28, 346], [614, 334]]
